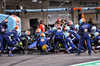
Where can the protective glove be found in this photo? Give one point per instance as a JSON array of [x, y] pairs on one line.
[[89, 35]]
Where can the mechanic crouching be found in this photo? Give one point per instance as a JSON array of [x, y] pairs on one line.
[[3, 27], [72, 48], [58, 37], [43, 44]]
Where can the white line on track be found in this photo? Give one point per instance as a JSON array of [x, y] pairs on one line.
[[88, 57], [84, 63]]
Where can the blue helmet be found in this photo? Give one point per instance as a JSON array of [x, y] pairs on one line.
[[82, 20], [66, 34], [70, 23], [93, 28], [96, 34], [54, 28], [38, 30], [42, 35], [76, 27], [59, 27], [67, 28], [27, 33]]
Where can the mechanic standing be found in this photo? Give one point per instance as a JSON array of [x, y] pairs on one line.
[[84, 31]]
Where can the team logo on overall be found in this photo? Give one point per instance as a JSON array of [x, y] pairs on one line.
[[3, 29], [42, 40], [58, 30], [85, 30]]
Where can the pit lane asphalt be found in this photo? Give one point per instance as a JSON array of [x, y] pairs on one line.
[[36, 59]]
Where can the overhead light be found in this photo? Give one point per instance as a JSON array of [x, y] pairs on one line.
[[67, 1], [34, 0], [21, 7], [4, 0], [40, 1]]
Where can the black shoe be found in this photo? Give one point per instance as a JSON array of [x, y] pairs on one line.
[[55, 52], [0, 54], [41, 52], [90, 54], [77, 54], [84, 50], [47, 52], [10, 55]]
